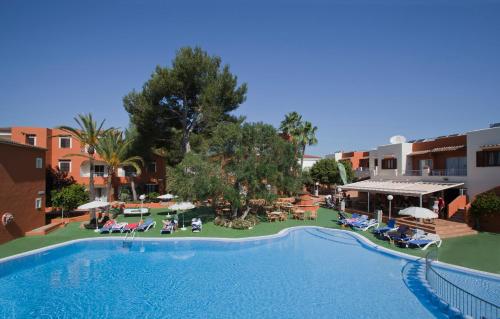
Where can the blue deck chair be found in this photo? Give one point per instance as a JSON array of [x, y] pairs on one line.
[[391, 225], [146, 225]]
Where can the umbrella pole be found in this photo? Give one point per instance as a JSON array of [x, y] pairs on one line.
[[96, 220], [183, 227]]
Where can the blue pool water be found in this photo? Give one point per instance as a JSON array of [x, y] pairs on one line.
[[306, 273]]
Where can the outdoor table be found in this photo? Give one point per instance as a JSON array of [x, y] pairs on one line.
[[299, 214]]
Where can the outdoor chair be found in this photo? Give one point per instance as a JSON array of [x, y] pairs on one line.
[[272, 217], [196, 225], [391, 226], [425, 241], [148, 224], [365, 225], [118, 227], [402, 232], [283, 216], [107, 227]]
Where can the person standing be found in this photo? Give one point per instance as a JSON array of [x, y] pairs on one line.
[[441, 207]]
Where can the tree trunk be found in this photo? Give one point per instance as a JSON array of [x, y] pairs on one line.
[[235, 213], [91, 179], [109, 186], [132, 186], [185, 145], [245, 213], [302, 158]]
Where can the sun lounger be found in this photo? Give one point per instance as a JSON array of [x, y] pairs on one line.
[[196, 225], [329, 202], [355, 221], [391, 226], [401, 233], [425, 241], [107, 227], [364, 226], [169, 227], [148, 224], [135, 211], [118, 227], [415, 234], [130, 228]]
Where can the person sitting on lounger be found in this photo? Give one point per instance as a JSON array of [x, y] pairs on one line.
[[196, 225], [169, 226]]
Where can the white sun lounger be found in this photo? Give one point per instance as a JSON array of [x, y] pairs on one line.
[[425, 241], [135, 211]]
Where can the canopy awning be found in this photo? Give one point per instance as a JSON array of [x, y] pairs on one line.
[[490, 147], [439, 149], [415, 189]]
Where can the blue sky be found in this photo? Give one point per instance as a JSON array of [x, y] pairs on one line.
[[361, 71]]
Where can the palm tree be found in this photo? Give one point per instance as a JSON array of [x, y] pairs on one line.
[[290, 127], [307, 137], [113, 150], [87, 133]]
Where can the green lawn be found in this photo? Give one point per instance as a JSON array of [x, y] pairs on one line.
[[477, 251]]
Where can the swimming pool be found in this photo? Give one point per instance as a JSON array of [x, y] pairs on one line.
[[308, 272]]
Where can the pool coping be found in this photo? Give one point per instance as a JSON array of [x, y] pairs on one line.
[[281, 233]]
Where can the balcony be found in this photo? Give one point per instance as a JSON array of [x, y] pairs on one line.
[[437, 172], [362, 172], [448, 172]]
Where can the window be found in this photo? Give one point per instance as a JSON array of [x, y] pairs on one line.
[[425, 163], [151, 188], [38, 203], [389, 163], [65, 142], [39, 162], [152, 167], [376, 162], [488, 158], [31, 139], [364, 162], [99, 170], [65, 166], [456, 166]]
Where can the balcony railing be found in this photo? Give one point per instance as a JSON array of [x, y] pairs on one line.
[[416, 172], [437, 172], [448, 172]]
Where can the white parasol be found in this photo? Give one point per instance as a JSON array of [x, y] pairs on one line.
[[182, 206], [418, 212]]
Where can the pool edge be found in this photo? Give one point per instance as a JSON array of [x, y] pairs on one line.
[[280, 234]]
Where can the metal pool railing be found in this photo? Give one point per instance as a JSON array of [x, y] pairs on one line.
[[466, 302]]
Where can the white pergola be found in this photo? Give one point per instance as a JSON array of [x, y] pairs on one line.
[[413, 189]]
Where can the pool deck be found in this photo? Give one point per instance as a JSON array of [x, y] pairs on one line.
[[476, 251]]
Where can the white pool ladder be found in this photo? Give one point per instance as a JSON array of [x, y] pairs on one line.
[[129, 238]]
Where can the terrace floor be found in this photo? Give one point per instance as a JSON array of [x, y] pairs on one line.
[[474, 251]]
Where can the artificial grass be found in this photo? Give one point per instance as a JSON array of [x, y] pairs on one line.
[[475, 251]]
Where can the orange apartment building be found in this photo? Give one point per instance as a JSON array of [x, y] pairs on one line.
[[359, 160], [442, 156], [22, 189], [59, 145]]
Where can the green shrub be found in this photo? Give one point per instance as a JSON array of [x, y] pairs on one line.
[[70, 197], [153, 195], [125, 195], [486, 203]]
